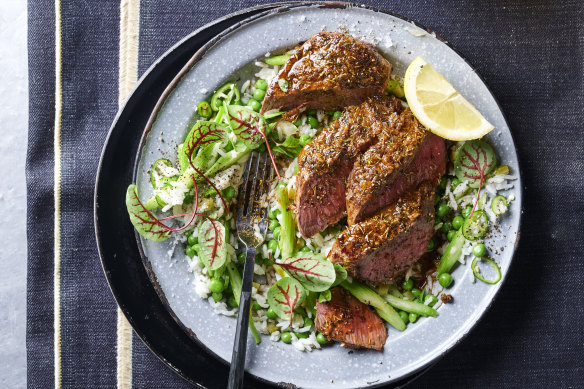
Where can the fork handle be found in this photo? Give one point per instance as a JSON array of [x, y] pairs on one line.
[[236, 370]]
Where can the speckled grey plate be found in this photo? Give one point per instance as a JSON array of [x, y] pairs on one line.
[[231, 57]]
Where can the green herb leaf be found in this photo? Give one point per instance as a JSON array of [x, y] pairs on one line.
[[313, 271], [142, 219], [203, 133], [212, 248], [291, 147], [475, 159], [341, 274], [249, 126], [285, 296], [324, 296]]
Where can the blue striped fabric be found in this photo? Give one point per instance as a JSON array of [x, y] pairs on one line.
[[529, 52]]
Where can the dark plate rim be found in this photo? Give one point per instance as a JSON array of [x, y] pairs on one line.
[[264, 10]]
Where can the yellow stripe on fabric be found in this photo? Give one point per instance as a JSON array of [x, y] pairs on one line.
[[128, 75], [57, 196]]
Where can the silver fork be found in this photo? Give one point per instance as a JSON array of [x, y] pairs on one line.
[[251, 212]]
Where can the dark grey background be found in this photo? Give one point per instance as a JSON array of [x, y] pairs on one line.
[[529, 53]]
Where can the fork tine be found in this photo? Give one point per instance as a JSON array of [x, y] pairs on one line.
[[244, 188], [251, 196], [264, 187]]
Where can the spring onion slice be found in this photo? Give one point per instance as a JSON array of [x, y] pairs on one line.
[[499, 205], [452, 253], [477, 272], [476, 226]]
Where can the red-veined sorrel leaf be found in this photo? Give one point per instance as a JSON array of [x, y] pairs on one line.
[[212, 249], [475, 159], [143, 220], [250, 127], [203, 133], [313, 271], [341, 274], [285, 296]]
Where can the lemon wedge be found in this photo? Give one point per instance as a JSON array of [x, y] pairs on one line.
[[439, 107]]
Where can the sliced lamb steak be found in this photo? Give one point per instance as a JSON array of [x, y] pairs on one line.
[[405, 155], [329, 71], [325, 163], [349, 321], [381, 247]]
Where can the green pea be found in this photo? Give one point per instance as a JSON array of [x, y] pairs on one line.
[[190, 251], [321, 339], [188, 233], [276, 232], [454, 183], [416, 292], [272, 245], [413, 317], [479, 250], [273, 224], [445, 279], [204, 109], [308, 322], [311, 112], [232, 302], [433, 300], [430, 245], [408, 285], [404, 316], [305, 139], [259, 259], [300, 243], [443, 183], [273, 214], [457, 222], [271, 314], [312, 121], [228, 192], [255, 306], [241, 258], [301, 311], [217, 296], [298, 122], [192, 240], [466, 212], [443, 210], [286, 337], [337, 115], [446, 226], [451, 234], [261, 84], [259, 94], [216, 285], [254, 104], [301, 335], [306, 249]]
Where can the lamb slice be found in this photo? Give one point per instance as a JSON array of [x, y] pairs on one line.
[[325, 163], [349, 321], [329, 71], [383, 246], [405, 155]]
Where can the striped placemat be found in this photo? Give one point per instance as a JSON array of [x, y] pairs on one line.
[[86, 56]]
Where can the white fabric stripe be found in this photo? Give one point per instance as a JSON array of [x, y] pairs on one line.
[[57, 195], [128, 75]]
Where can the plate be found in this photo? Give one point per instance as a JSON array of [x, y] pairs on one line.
[[229, 56]]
